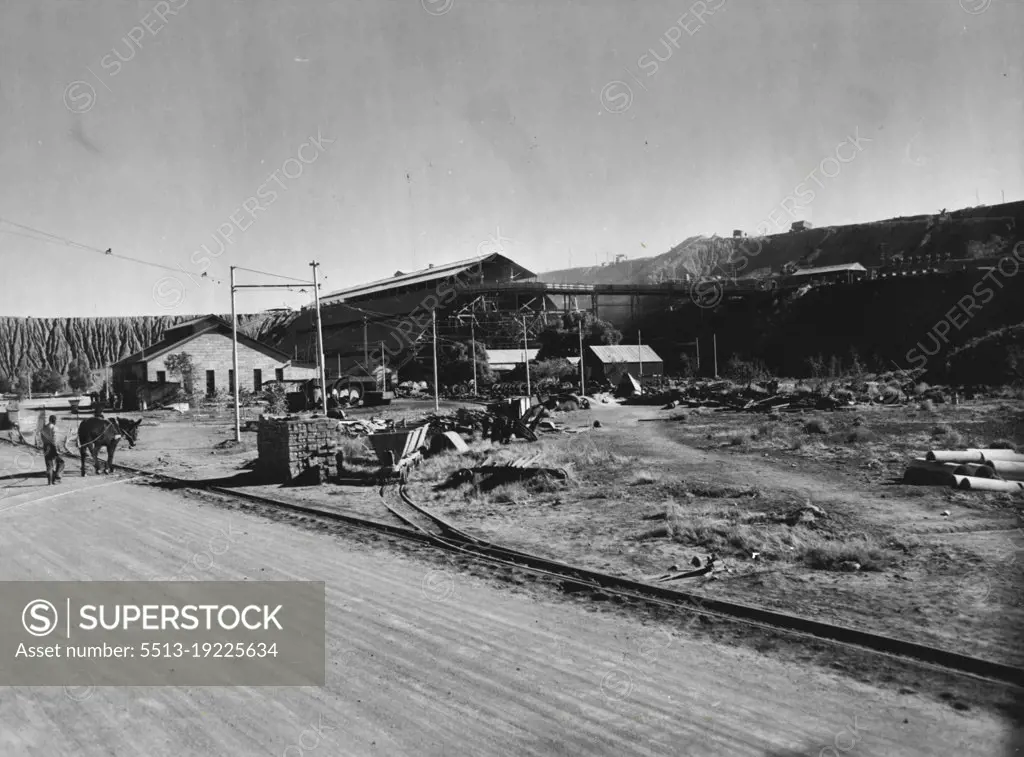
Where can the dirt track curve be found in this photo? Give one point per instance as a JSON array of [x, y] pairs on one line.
[[422, 661]]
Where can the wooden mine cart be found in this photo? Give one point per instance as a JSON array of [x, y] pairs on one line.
[[397, 451]]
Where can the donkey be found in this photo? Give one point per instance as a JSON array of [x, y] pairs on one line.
[[107, 432]]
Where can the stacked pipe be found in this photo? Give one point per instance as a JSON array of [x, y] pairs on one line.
[[993, 470]]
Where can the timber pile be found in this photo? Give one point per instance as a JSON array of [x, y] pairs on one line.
[[992, 470], [366, 426], [463, 421]]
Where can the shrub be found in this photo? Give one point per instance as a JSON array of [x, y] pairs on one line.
[[47, 381], [277, 400], [816, 426], [79, 375], [746, 370], [831, 555]]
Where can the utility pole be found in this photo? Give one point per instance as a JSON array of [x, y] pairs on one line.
[[526, 357], [714, 343], [383, 369], [640, 353], [437, 402], [579, 323], [234, 358], [319, 338], [472, 346], [366, 348]]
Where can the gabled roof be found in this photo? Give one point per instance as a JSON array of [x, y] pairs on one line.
[[854, 267], [624, 353], [509, 357], [179, 337], [423, 275]]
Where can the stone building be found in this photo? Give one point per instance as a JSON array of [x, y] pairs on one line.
[[208, 341]]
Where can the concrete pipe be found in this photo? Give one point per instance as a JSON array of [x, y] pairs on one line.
[[988, 484], [955, 456], [1007, 455], [920, 462], [1008, 469], [976, 470]]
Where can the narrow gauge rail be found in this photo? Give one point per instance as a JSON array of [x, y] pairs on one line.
[[430, 529]]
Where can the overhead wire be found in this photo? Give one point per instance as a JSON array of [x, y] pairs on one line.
[[55, 238]]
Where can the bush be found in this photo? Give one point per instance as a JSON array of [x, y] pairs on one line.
[[47, 381], [555, 369], [79, 375], [746, 370], [277, 399], [832, 555], [816, 426]]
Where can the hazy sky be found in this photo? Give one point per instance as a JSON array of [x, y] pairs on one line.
[[144, 127]]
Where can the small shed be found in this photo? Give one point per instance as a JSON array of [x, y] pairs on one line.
[[831, 274], [610, 362], [508, 360]]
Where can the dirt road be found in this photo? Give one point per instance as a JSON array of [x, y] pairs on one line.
[[422, 661]]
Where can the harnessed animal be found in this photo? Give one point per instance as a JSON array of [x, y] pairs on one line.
[[107, 432]]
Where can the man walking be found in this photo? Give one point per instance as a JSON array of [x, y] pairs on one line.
[[51, 454]]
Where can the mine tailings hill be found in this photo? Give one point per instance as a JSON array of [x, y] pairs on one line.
[[970, 233], [28, 344]]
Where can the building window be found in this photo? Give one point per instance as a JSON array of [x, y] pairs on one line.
[[211, 383], [257, 379], [279, 374], [161, 377], [231, 380]]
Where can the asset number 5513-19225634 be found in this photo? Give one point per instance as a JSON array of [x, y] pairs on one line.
[[214, 649]]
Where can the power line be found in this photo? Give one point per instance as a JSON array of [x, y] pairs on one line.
[[54, 238], [276, 275]]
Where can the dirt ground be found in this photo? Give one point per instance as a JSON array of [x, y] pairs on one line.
[[423, 660], [651, 490]]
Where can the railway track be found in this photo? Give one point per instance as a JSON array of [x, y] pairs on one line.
[[423, 526]]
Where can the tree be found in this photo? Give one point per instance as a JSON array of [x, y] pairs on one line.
[[455, 363], [47, 381], [562, 340], [23, 385], [180, 364], [79, 375], [6, 385]]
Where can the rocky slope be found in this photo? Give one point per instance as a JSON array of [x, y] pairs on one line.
[[27, 344], [968, 233]]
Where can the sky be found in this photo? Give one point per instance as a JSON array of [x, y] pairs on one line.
[[382, 135]]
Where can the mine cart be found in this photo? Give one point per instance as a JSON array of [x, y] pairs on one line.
[[398, 450]]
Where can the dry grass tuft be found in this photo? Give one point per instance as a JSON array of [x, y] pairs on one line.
[[816, 426], [839, 555]]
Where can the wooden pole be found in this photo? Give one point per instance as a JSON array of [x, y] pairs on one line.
[[472, 346], [234, 358], [640, 353], [583, 389], [526, 357], [437, 400], [319, 339], [698, 356], [366, 348]]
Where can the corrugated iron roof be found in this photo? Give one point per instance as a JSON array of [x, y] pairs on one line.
[[420, 276], [831, 269], [510, 357], [625, 353]]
